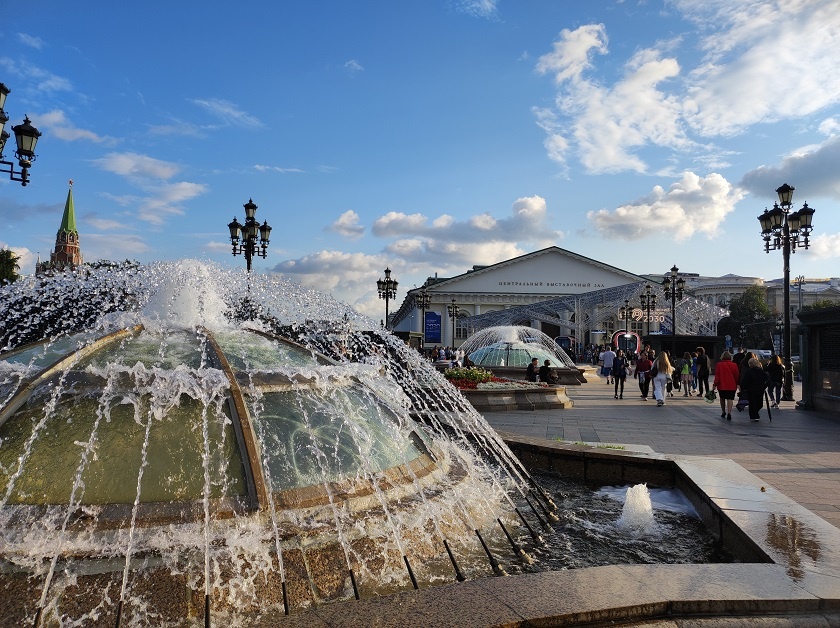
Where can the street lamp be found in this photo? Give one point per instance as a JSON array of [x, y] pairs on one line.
[[387, 290], [780, 229], [26, 136], [423, 300], [624, 313], [249, 232], [453, 314], [674, 289], [648, 302]]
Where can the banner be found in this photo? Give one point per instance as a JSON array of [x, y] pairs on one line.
[[432, 327]]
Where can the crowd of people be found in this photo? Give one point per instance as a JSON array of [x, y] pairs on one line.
[[741, 376]]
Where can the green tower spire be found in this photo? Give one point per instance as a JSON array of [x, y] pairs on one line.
[[68, 221]]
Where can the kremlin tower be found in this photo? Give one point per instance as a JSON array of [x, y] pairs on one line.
[[67, 254]]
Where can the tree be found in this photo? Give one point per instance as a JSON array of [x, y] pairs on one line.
[[750, 321], [9, 266], [820, 305]]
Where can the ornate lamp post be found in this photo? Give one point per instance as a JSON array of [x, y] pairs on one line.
[[648, 302], [423, 300], [26, 136], [249, 233], [453, 314], [387, 290], [781, 229], [624, 314], [674, 290]]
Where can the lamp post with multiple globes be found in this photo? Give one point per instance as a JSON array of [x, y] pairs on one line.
[[387, 289], [781, 229], [674, 290], [648, 302], [249, 232], [26, 136]]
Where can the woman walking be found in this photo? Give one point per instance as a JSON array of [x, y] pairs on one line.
[[726, 383], [776, 372], [685, 374], [663, 370], [643, 366], [620, 367], [704, 367]]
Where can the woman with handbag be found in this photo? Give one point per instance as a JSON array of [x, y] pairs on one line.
[[726, 383], [643, 366]]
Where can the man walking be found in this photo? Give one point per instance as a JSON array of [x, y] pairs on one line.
[[608, 357]]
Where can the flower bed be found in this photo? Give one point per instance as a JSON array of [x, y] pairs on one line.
[[473, 378]]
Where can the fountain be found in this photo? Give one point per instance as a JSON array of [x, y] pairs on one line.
[[179, 451], [181, 443]]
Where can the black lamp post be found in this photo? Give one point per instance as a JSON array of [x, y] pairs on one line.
[[387, 290], [423, 300], [648, 302], [249, 232], [26, 136], [780, 229], [674, 290], [453, 314]]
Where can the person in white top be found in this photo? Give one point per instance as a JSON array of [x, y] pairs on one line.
[[608, 357]]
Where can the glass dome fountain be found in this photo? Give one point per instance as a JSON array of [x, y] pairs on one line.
[[514, 346], [179, 442]]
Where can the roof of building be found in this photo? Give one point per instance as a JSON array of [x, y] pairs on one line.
[[68, 220]]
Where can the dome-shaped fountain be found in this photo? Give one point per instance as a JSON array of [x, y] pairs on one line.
[[178, 441], [514, 346]]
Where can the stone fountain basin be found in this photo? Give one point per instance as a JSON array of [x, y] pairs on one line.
[[790, 568]]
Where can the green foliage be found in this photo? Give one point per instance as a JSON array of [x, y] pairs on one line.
[[751, 321], [9, 266], [471, 374], [820, 305]]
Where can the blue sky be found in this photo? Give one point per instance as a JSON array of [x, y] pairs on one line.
[[427, 136]]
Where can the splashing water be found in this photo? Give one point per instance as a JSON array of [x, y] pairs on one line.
[[514, 346], [637, 514], [182, 426]]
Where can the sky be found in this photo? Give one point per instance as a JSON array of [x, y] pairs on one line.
[[426, 137]]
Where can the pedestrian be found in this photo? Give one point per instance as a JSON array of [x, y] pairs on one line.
[[545, 373], [694, 371], [661, 375], [621, 366], [607, 357], [726, 383], [531, 371], [643, 366], [704, 367], [754, 385], [776, 373], [743, 367], [685, 374]]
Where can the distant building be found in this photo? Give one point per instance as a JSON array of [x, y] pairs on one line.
[[68, 253]]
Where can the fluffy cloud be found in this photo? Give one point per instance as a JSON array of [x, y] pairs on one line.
[[528, 222], [752, 53], [348, 225], [691, 205], [160, 198], [826, 246], [59, 126], [813, 168]]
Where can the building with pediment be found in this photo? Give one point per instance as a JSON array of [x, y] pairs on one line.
[[561, 293]]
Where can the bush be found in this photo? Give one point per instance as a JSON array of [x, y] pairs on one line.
[[471, 375]]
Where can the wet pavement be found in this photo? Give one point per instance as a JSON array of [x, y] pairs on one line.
[[798, 452]]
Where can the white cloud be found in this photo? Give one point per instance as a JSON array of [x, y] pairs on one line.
[[161, 198], [478, 8], [813, 169], [528, 222], [104, 224], [30, 40], [42, 80], [228, 112], [112, 246], [691, 205], [217, 247], [59, 126], [134, 164], [830, 126], [826, 246], [348, 225], [354, 66], [763, 62], [263, 168]]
